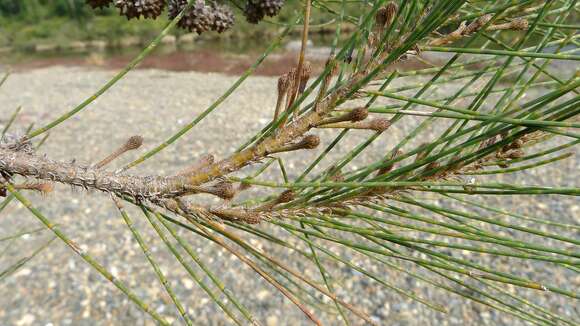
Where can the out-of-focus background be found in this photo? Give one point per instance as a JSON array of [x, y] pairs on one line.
[[61, 51]]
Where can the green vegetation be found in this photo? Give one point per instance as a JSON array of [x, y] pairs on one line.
[[27, 23]]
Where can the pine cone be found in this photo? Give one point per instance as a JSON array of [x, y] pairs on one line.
[[137, 8], [99, 3]]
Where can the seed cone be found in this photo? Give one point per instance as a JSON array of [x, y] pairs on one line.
[[197, 19], [98, 3], [223, 18], [254, 14], [137, 8], [256, 10], [270, 7]]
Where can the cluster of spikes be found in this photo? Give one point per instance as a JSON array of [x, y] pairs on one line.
[[256, 10], [199, 17]]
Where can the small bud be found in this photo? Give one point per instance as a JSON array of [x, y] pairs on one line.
[[332, 67], [378, 125], [451, 37], [308, 142], [292, 90], [305, 76], [284, 197], [391, 12], [283, 87], [477, 24], [236, 215], [355, 115], [519, 24], [359, 114], [385, 15], [223, 190], [132, 143]]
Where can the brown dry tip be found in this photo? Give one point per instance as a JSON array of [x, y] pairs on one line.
[[310, 142], [134, 142], [380, 124]]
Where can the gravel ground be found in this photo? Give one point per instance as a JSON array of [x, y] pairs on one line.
[[58, 288]]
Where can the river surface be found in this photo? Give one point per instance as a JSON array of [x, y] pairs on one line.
[[229, 56]]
